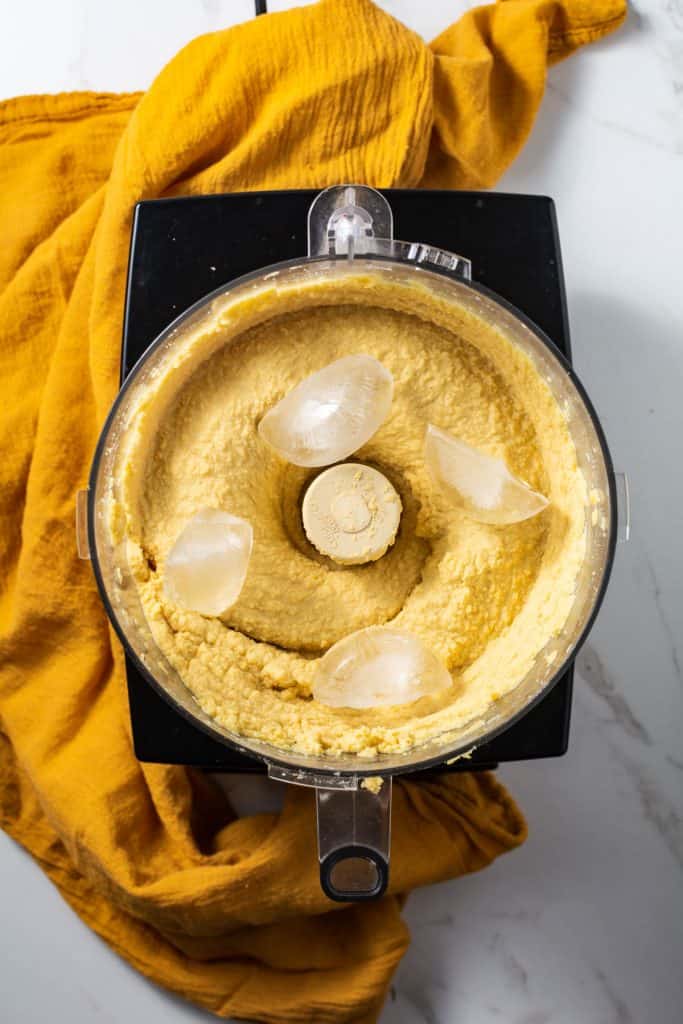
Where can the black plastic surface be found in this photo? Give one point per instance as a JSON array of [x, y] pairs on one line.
[[181, 249]]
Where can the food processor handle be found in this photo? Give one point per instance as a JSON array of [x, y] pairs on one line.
[[354, 829], [356, 220]]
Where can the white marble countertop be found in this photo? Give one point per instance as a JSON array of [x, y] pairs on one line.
[[584, 924]]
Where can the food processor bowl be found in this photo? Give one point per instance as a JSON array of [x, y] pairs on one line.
[[350, 232]]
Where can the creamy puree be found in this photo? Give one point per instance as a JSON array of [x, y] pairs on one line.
[[485, 599]]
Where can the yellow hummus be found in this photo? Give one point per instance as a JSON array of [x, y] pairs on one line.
[[486, 600]]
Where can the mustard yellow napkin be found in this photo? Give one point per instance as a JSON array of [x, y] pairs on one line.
[[226, 912]]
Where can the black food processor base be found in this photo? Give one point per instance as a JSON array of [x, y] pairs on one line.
[[181, 249]]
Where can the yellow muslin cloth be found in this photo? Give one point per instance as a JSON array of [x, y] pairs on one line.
[[227, 912]]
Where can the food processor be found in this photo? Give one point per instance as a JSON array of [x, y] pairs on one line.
[[351, 229]]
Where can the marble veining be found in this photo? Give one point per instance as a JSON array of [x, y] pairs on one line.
[[595, 674], [584, 924], [622, 1014], [673, 641], [667, 145], [657, 809]]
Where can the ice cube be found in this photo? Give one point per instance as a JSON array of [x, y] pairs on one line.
[[377, 667], [206, 568], [481, 485], [332, 413]]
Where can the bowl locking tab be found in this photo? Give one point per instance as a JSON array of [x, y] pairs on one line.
[[345, 219], [355, 220]]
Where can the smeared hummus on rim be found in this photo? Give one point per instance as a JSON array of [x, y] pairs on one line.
[[485, 599]]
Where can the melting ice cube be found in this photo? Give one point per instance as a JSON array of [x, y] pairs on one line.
[[378, 666], [332, 413], [479, 484], [206, 567]]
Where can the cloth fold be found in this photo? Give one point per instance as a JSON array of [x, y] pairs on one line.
[[224, 911]]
